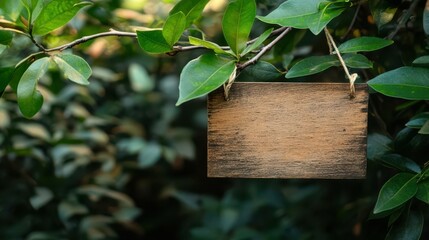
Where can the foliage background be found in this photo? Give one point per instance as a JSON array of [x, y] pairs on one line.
[[117, 159]]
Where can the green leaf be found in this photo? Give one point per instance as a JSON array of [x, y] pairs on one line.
[[418, 121], [423, 60], [207, 44], [237, 23], [399, 162], [257, 42], [309, 14], [312, 65], [140, 80], [317, 22], [259, 72], [74, 68], [423, 192], [191, 8], [152, 41], [21, 67], [42, 197], [378, 145], [174, 27], [203, 75], [56, 14], [149, 155], [11, 8], [354, 60], [406, 82], [382, 11], [5, 37], [5, 77], [364, 44], [408, 227], [293, 13], [425, 129], [29, 99], [396, 191]]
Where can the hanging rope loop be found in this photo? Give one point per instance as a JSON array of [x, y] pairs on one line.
[[334, 50]]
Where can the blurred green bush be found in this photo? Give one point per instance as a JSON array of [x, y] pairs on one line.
[[117, 159]]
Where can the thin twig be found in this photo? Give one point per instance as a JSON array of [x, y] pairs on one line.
[[116, 33], [38, 45], [265, 49], [353, 22], [112, 32], [404, 19]]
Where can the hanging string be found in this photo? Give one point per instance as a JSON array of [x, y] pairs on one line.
[[352, 77], [227, 86]]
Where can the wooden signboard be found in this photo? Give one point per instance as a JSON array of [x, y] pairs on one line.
[[288, 130]]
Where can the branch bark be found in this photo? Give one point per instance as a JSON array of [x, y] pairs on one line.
[[284, 31]]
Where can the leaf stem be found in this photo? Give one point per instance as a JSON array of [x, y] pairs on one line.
[[283, 30]]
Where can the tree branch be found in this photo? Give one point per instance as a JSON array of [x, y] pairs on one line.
[[116, 33], [404, 18], [283, 30], [112, 32]]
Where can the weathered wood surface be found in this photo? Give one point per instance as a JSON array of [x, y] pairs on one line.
[[288, 130]]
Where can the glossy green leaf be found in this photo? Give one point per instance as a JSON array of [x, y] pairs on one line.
[[406, 82], [257, 42], [5, 37], [312, 65], [317, 22], [382, 11], [140, 80], [29, 98], [408, 227], [261, 71], [37, 7], [293, 13], [378, 145], [191, 8], [174, 27], [56, 14], [5, 77], [207, 44], [11, 8], [237, 23], [203, 75], [21, 67], [423, 191], [152, 41], [73, 67], [354, 60], [309, 14], [399, 162], [423, 60], [364, 44], [396, 191], [418, 121], [425, 128]]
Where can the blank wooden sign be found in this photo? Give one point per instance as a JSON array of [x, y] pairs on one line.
[[288, 130]]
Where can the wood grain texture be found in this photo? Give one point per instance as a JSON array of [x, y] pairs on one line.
[[288, 130]]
